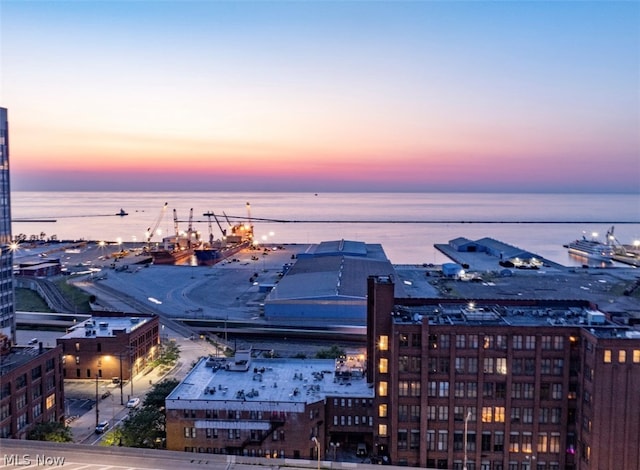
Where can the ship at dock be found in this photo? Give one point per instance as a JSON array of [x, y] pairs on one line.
[[173, 250], [182, 247], [177, 248], [593, 248], [234, 239]]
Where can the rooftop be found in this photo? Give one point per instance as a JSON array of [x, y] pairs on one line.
[[479, 314], [333, 269], [99, 327], [301, 381], [18, 356]]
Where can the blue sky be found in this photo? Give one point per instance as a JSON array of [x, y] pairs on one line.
[[339, 95]]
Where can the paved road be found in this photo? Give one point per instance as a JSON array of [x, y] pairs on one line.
[[110, 408]]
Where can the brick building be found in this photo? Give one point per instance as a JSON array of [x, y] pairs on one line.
[[501, 385], [31, 387], [271, 407], [110, 346]]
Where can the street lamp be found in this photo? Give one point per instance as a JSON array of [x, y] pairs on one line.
[[531, 462], [120, 354], [334, 446], [466, 425], [317, 443]]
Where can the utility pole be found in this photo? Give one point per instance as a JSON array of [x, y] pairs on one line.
[[121, 379], [97, 410], [130, 372]]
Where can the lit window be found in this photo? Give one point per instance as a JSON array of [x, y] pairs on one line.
[[382, 429], [622, 357], [382, 411], [383, 343], [543, 442], [382, 389], [384, 365], [51, 401], [636, 356], [607, 356]]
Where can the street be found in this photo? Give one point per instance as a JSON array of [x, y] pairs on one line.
[[80, 395]]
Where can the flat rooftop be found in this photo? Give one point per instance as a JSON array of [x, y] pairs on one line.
[[481, 314], [99, 327], [19, 356], [295, 381]]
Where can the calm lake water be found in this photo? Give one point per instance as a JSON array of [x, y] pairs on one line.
[[406, 224]]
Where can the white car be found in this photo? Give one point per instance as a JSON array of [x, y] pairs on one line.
[[133, 403], [102, 427]]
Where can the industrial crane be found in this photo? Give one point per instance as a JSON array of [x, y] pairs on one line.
[[227, 217], [151, 230], [175, 223], [614, 242], [223, 231], [190, 230]]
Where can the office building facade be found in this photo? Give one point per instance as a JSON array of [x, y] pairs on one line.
[[502, 385]]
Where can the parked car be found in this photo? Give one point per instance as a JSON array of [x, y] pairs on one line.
[[133, 402], [102, 427], [361, 449]]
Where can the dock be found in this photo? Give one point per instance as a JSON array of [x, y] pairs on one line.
[[629, 255], [487, 254]]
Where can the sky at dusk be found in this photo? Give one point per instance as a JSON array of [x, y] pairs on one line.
[[322, 95]]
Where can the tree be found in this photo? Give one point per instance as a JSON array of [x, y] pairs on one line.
[[169, 355], [333, 352], [145, 426], [52, 432], [158, 394]]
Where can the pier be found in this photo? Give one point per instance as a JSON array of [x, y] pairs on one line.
[[629, 255]]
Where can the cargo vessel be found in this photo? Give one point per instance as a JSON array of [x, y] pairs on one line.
[[241, 237], [208, 256], [174, 250]]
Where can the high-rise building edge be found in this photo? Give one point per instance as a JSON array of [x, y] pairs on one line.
[[7, 307]]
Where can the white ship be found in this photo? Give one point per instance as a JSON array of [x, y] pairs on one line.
[[594, 248]]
